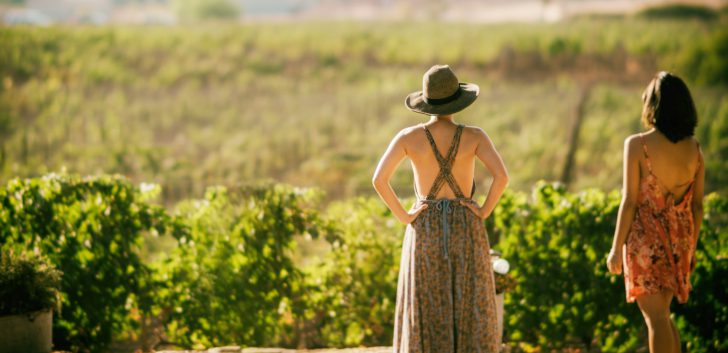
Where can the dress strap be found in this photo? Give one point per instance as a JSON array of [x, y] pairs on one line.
[[647, 156], [445, 174]]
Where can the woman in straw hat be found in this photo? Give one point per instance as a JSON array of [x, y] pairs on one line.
[[445, 292]]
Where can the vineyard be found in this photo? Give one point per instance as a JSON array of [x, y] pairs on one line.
[[211, 185], [314, 104]]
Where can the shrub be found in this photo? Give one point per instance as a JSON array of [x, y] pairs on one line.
[[556, 243], [679, 11], [91, 229], [27, 284], [707, 61], [703, 320], [352, 289], [231, 279]]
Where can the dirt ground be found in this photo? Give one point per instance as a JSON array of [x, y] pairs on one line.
[[281, 350]]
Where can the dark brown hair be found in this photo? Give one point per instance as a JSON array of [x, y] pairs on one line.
[[669, 107]]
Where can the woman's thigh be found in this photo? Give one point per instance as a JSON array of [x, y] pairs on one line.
[[655, 306]]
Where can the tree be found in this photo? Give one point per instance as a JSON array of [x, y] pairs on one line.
[[206, 10]]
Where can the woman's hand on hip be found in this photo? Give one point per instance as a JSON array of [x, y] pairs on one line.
[[614, 262], [479, 211], [413, 213]]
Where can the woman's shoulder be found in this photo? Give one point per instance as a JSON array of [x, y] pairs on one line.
[[408, 134], [411, 130], [655, 136], [474, 130], [635, 140]]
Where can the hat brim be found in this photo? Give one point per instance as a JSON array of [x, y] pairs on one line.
[[416, 101]]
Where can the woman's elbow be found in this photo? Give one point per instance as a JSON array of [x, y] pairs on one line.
[[378, 181], [502, 178]]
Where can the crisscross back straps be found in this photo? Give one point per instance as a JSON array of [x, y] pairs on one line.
[[445, 174]]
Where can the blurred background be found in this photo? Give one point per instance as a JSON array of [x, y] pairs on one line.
[[192, 93], [193, 101]]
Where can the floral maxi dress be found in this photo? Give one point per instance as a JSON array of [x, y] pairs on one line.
[[661, 243], [446, 290]]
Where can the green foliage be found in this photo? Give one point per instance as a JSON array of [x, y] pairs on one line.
[[556, 243], [679, 11], [711, 132], [707, 62], [201, 10], [231, 278], [314, 104], [27, 284], [703, 320], [91, 229], [352, 289]]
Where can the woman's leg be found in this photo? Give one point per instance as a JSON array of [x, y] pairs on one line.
[[656, 311]]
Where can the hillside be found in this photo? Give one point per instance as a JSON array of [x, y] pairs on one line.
[[315, 104]]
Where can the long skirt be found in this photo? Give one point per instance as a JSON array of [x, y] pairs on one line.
[[446, 290]]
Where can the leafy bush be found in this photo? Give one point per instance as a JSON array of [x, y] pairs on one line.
[[703, 320], [352, 289], [679, 11], [91, 229], [556, 243], [27, 284], [231, 279], [231, 276], [707, 62]]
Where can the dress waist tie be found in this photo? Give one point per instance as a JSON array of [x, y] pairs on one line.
[[445, 207]]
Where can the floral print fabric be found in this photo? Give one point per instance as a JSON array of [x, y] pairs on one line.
[[446, 289], [661, 244]]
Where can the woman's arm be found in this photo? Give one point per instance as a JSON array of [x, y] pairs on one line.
[[697, 205], [394, 155], [488, 155], [628, 207]]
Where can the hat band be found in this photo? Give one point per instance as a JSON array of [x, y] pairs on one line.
[[441, 101]]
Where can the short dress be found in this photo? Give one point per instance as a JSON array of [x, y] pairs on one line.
[[661, 242]]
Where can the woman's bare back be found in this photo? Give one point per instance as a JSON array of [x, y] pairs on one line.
[[424, 162], [412, 142], [674, 165]]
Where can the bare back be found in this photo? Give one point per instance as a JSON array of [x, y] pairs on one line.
[[674, 165], [426, 166], [457, 169]]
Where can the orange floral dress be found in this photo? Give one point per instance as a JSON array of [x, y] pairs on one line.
[[661, 242]]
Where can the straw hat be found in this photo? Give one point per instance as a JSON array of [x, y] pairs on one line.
[[442, 93]]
